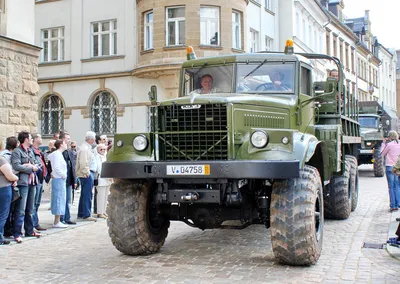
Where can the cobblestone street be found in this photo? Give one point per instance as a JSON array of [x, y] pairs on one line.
[[84, 254]]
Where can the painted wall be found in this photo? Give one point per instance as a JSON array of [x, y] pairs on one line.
[[21, 20]]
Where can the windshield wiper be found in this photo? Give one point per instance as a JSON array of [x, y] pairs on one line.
[[201, 68], [255, 69]]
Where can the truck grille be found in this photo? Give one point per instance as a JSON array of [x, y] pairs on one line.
[[193, 132]]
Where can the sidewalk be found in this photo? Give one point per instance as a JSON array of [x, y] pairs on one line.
[[46, 219]]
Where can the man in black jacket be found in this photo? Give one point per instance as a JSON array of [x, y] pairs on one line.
[[70, 159]]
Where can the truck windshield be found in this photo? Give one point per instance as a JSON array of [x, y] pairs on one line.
[[208, 80], [368, 122], [265, 78]]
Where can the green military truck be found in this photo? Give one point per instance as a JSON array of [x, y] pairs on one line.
[[371, 129], [254, 151], [375, 123]]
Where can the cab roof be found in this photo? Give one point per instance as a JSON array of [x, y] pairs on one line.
[[244, 58]]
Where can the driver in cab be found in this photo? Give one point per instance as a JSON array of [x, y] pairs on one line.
[[206, 86], [277, 85]]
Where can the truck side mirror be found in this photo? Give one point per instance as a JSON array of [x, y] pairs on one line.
[[380, 112], [153, 95]]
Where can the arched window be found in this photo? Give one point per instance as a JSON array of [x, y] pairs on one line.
[[104, 114], [52, 114]]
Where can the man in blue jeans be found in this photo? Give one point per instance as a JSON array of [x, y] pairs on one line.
[[23, 161], [40, 174], [85, 168]]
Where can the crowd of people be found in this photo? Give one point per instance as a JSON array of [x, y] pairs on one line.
[[24, 168]]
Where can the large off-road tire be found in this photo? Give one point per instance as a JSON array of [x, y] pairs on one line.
[[353, 181], [134, 226], [379, 169], [338, 195], [297, 218]]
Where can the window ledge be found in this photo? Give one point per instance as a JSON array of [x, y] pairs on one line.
[[102, 58], [216, 47], [238, 50], [46, 1], [255, 3], [269, 11], [175, 47], [53, 63], [151, 50]]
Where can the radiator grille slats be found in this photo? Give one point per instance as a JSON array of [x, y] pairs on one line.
[[194, 133]]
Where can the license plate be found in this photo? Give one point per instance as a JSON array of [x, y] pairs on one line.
[[189, 170], [367, 151]]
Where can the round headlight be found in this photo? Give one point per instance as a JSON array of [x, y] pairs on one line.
[[369, 143], [140, 143], [259, 139], [120, 143], [285, 140]]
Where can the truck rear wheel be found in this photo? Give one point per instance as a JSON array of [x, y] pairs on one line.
[[353, 181], [338, 195], [297, 218], [379, 170], [134, 226]]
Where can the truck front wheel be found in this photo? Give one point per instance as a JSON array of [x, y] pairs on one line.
[[379, 170], [135, 227], [297, 218]]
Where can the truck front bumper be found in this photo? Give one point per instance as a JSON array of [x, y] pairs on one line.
[[217, 169]]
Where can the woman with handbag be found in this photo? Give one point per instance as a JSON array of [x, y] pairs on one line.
[[391, 151], [7, 179], [103, 184]]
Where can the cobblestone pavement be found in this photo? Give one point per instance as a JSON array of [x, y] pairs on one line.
[[84, 254]]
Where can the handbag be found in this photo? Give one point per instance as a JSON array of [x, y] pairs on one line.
[[15, 194]]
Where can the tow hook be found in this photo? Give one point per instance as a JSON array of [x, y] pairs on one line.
[[190, 196]]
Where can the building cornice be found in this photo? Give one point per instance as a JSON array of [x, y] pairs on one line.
[[84, 77], [342, 27], [155, 71], [20, 43]]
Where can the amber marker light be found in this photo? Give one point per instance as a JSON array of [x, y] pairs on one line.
[[190, 53], [289, 49], [289, 42]]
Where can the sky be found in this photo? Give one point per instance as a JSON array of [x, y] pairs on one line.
[[384, 15]]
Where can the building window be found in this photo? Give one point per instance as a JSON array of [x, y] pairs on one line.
[[328, 43], [347, 56], [148, 30], [209, 26], [253, 40], [310, 39], [341, 50], [104, 114], [297, 24], [352, 60], [53, 44], [104, 38], [52, 114], [236, 30], [268, 43], [175, 26], [268, 4], [334, 45], [304, 32]]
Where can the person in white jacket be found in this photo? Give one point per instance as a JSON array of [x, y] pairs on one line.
[[103, 186], [59, 176]]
